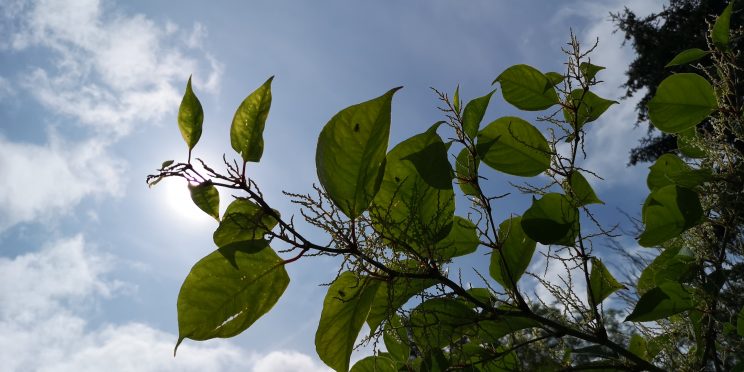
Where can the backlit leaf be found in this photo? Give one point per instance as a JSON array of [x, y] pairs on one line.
[[345, 308], [672, 264], [513, 146], [396, 340], [473, 114], [667, 212], [466, 170], [416, 202], [687, 143], [554, 78], [581, 191], [681, 102], [601, 282], [509, 262], [492, 330], [228, 290], [527, 88], [669, 169], [190, 117], [667, 299], [461, 240], [589, 71], [638, 346], [166, 164], [246, 132], [392, 295], [243, 220], [588, 105], [687, 56], [374, 364], [438, 322], [350, 156], [552, 219], [456, 99], [206, 197], [720, 34]]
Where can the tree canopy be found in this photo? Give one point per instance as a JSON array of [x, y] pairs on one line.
[[391, 216]]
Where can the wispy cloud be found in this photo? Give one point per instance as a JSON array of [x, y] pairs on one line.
[[6, 89], [104, 71], [110, 71], [39, 182], [45, 297]]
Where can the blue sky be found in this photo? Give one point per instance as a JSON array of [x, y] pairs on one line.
[[91, 260]]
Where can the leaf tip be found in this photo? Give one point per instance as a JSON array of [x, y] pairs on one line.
[[175, 349]]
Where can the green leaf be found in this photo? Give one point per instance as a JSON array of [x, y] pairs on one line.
[[740, 323], [720, 33], [493, 330], [579, 190], [638, 346], [588, 105], [228, 290], [673, 264], [395, 336], [166, 164], [510, 261], [554, 78], [243, 220], [527, 88], [601, 282], [206, 197], [345, 308], [473, 114], [688, 144], [667, 299], [466, 171], [663, 170], [153, 182], [667, 212], [438, 322], [246, 132], [374, 364], [687, 56], [190, 117], [669, 169], [350, 157], [513, 146], [481, 294], [433, 361], [461, 240], [551, 219], [589, 71], [456, 99], [416, 202], [681, 102], [392, 295]]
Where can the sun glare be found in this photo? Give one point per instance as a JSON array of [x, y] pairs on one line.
[[179, 204]]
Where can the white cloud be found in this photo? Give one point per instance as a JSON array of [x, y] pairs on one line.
[[558, 272], [111, 71], [41, 181], [286, 361], [45, 297], [6, 89], [107, 71], [613, 135]]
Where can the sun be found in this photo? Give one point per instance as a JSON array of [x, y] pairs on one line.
[[178, 203]]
